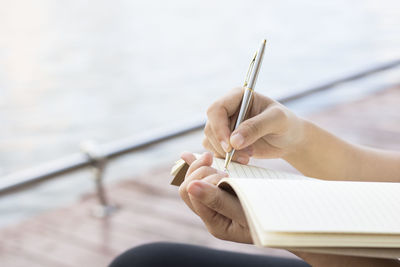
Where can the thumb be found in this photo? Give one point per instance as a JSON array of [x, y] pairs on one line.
[[249, 131], [216, 200]]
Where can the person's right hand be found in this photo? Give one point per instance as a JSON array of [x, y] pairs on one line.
[[270, 130]]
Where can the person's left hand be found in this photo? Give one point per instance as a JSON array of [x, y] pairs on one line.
[[224, 217], [220, 211]]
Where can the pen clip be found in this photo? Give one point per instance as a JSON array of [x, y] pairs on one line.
[[250, 69]]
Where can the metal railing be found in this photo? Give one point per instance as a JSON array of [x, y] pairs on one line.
[[97, 156]]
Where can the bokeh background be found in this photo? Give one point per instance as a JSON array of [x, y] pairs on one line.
[[105, 70]]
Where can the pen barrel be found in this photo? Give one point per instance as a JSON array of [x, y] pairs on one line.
[[248, 93], [257, 66]]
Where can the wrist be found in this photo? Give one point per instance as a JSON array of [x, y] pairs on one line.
[[302, 142]]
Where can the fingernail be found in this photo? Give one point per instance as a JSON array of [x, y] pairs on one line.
[[225, 146], [195, 190], [242, 160], [237, 140]]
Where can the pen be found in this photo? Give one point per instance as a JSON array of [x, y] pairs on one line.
[[249, 84]]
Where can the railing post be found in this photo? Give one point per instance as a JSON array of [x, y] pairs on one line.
[[98, 165]]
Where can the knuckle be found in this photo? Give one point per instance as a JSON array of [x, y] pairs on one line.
[[213, 224], [252, 128], [199, 174], [210, 110], [214, 179], [236, 91], [182, 190], [207, 129], [208, 146], [215, 203], [279, 113], [265, 99], [219, 136], [202, 169]]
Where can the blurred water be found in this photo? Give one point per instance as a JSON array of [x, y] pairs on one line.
[[103, 70], [73, 70]]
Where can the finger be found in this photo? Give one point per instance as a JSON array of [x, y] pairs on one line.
[[218, 115], [215, 222], [217, 147], [215, 178], [213, 141], [208, 146], [242, 156], [204, 160], [220, 226], [197, 174], [188, 157], [203, 172], [217, 200], [249, 131]]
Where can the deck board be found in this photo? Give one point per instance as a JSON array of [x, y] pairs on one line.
[[151, 210]]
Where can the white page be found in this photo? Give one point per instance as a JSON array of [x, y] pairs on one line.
[[237, 170], [322, 206]]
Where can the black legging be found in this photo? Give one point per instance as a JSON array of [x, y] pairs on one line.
[[177, 255]]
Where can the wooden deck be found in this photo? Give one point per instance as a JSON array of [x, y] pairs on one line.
[[150, 209]]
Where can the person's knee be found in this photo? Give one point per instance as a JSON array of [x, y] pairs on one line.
[[147, 255]]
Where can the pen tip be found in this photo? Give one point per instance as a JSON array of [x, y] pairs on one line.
[[264, 41]]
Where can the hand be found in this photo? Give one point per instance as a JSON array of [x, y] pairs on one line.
[[271, 130], [224, 217], [220, 211]]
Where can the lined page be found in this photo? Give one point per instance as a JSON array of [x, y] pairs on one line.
[[237, 170], [321, 206]]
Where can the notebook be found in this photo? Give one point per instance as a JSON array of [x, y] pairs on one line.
[[295, 212]]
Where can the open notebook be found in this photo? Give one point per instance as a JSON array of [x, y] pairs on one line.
[[295, 212]]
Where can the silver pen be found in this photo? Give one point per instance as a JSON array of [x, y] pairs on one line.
[[249, 84]]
